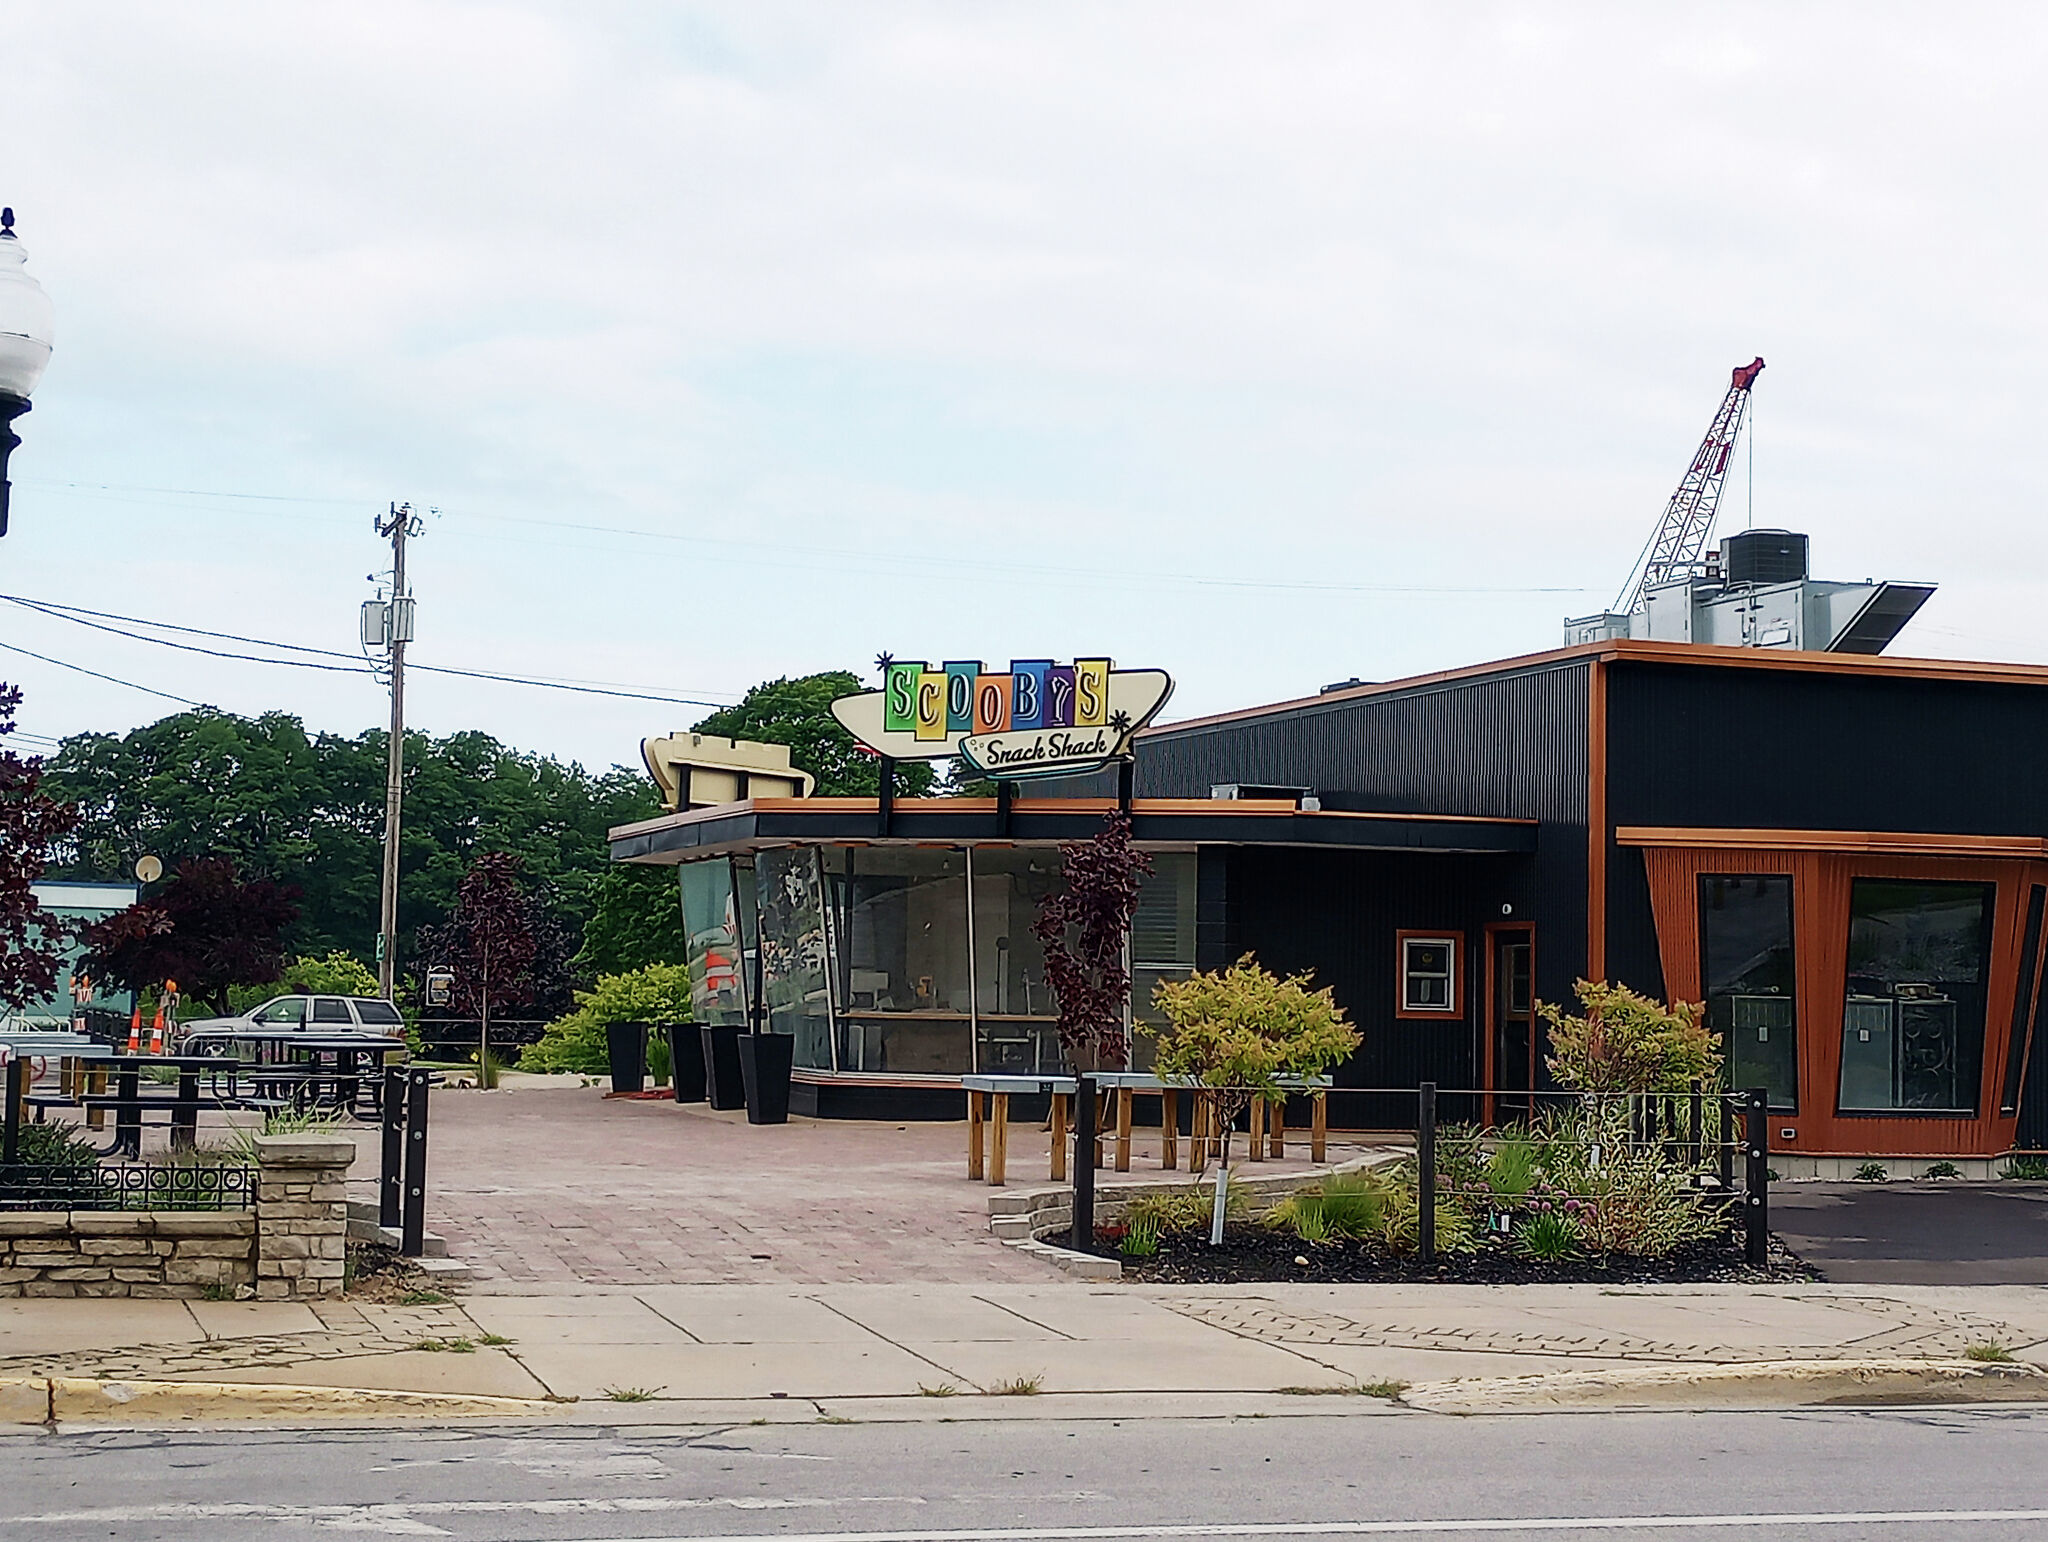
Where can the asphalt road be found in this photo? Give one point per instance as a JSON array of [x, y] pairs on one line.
[[1917, 1233], [1839, 1475]]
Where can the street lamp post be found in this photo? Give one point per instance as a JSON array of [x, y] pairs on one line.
[[27, 329]]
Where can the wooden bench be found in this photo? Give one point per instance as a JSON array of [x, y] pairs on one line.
[[999, 1090]]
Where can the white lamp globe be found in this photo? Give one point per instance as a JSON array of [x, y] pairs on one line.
[[27, 321]]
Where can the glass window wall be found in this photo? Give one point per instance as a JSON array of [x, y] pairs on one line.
[[901, 967], [790, 891], [1748, 970], [1913, 1018], [1018, 1018], [718, 974]]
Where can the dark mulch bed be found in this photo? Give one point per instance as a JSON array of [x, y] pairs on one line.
[[1255, 1255]]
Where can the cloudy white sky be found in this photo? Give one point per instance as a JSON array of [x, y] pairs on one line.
[[1271, 344]]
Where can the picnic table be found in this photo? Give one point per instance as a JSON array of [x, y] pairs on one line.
[[1268, 1133], [295, 1067]]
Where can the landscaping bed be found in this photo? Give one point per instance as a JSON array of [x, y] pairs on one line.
[[1255, 1254]]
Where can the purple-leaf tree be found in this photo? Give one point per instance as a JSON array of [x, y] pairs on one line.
[[1085, 927], [31, 821], [209, 929], [491, 944]]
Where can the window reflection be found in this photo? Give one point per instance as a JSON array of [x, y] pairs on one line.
[[793, 955], [717, 970], [1913, 1019], [1013, 1001], [1748, 969], [901, 959]]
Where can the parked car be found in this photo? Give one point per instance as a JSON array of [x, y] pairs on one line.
[[337, 1017]]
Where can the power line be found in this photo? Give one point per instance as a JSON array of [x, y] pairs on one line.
[[148, 690], [78, 616], [778, 554]]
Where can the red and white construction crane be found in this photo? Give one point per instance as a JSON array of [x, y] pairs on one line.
[[1680, 539]]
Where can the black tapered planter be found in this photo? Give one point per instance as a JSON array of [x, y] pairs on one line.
[[765, 1059], [626, 1045], [686, 1062], [722, 1085]]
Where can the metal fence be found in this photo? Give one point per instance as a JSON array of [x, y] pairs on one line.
[[456, 1038], [129, 1186]]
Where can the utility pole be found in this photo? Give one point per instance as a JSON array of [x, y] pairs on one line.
[[394, 622]]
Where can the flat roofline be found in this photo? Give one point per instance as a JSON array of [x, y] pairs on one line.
[[1633, 650], [1217, 808]]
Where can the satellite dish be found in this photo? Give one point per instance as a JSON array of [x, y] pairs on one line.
[[149, 869]]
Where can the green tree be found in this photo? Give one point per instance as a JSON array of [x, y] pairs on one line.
[[1629, 1043], [636, 920], [658, 994], [798, 713], [1239, 1030], [31, 822], [209, 929], [332, 974]]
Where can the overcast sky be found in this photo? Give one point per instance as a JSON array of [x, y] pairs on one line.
[[1269, 344]]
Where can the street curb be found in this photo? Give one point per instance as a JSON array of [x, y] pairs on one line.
[[48, 1400], [1758, 1384]]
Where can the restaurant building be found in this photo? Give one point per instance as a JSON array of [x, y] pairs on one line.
[[1844, 856]]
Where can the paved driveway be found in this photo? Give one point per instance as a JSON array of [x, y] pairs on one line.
[[1917, 1233]]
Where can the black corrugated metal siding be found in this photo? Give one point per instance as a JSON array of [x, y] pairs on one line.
[[1508, 745], [1694, 745], [1337, 914]]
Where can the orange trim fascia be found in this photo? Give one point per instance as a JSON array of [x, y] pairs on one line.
[[1456, 1011], [1860, 842], [1596, 822]]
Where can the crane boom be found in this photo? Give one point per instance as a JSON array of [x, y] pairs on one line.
[[1681, 535]]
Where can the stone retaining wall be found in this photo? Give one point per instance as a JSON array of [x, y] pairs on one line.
[[292, 1245]]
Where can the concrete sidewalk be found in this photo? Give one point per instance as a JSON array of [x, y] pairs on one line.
[[686, 1352]]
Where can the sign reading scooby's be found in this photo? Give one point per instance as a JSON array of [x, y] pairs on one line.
[[1037, 718]]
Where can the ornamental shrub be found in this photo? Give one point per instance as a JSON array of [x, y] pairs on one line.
[[1239, 1030], [657, 995], [1629, 1043]]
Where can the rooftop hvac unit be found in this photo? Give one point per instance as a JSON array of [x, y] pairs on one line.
[[1764, 557]]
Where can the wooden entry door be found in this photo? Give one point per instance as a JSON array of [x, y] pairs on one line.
[[1511, 1045]]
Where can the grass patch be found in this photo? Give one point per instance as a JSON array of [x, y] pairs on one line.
[[636, 1395], [1872, 1172], [446, 1346], [1382, 1388], [218, 1293], [943, 1389], [1019, 1386], [496, 1340], [1991, 1351], [2034, 1168], [1943, 1170], [425, 1298]]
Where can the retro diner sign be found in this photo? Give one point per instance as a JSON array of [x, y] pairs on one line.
[[1037, 718]]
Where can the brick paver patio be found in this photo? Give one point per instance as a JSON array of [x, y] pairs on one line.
[[557, 1186]]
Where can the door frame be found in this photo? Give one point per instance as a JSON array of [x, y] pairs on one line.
[[1491, 1017]]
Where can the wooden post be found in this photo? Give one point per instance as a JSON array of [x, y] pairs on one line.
[[96, 1086], [974, 1137], [998, 1137], [1279, 1127], [1198, 1132], [1123, 1129], [1101, 1127], [1058, 1170], [1169, 1129], [1255, 1129], [1319, 1127]]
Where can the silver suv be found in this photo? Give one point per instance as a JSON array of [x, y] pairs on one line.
[[339, 1017]]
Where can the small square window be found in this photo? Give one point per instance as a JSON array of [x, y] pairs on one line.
[[1429, 976]]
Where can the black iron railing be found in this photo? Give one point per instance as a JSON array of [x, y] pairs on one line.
[[127, 1186]]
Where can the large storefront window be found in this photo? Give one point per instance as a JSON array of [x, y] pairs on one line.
[[899, 920], [793, 953], [718, 978], [1747, 970], [1913, 1018], [1162, 941], [1014, 1006]]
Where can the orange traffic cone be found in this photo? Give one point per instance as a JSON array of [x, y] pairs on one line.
[[135, 1031], [156, 1032]]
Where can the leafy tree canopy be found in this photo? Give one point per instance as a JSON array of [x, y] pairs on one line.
[[798, 713], [309, 809], [1628, 1042], [208, 929], [332, 974], [31, 822], [638, 921]]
